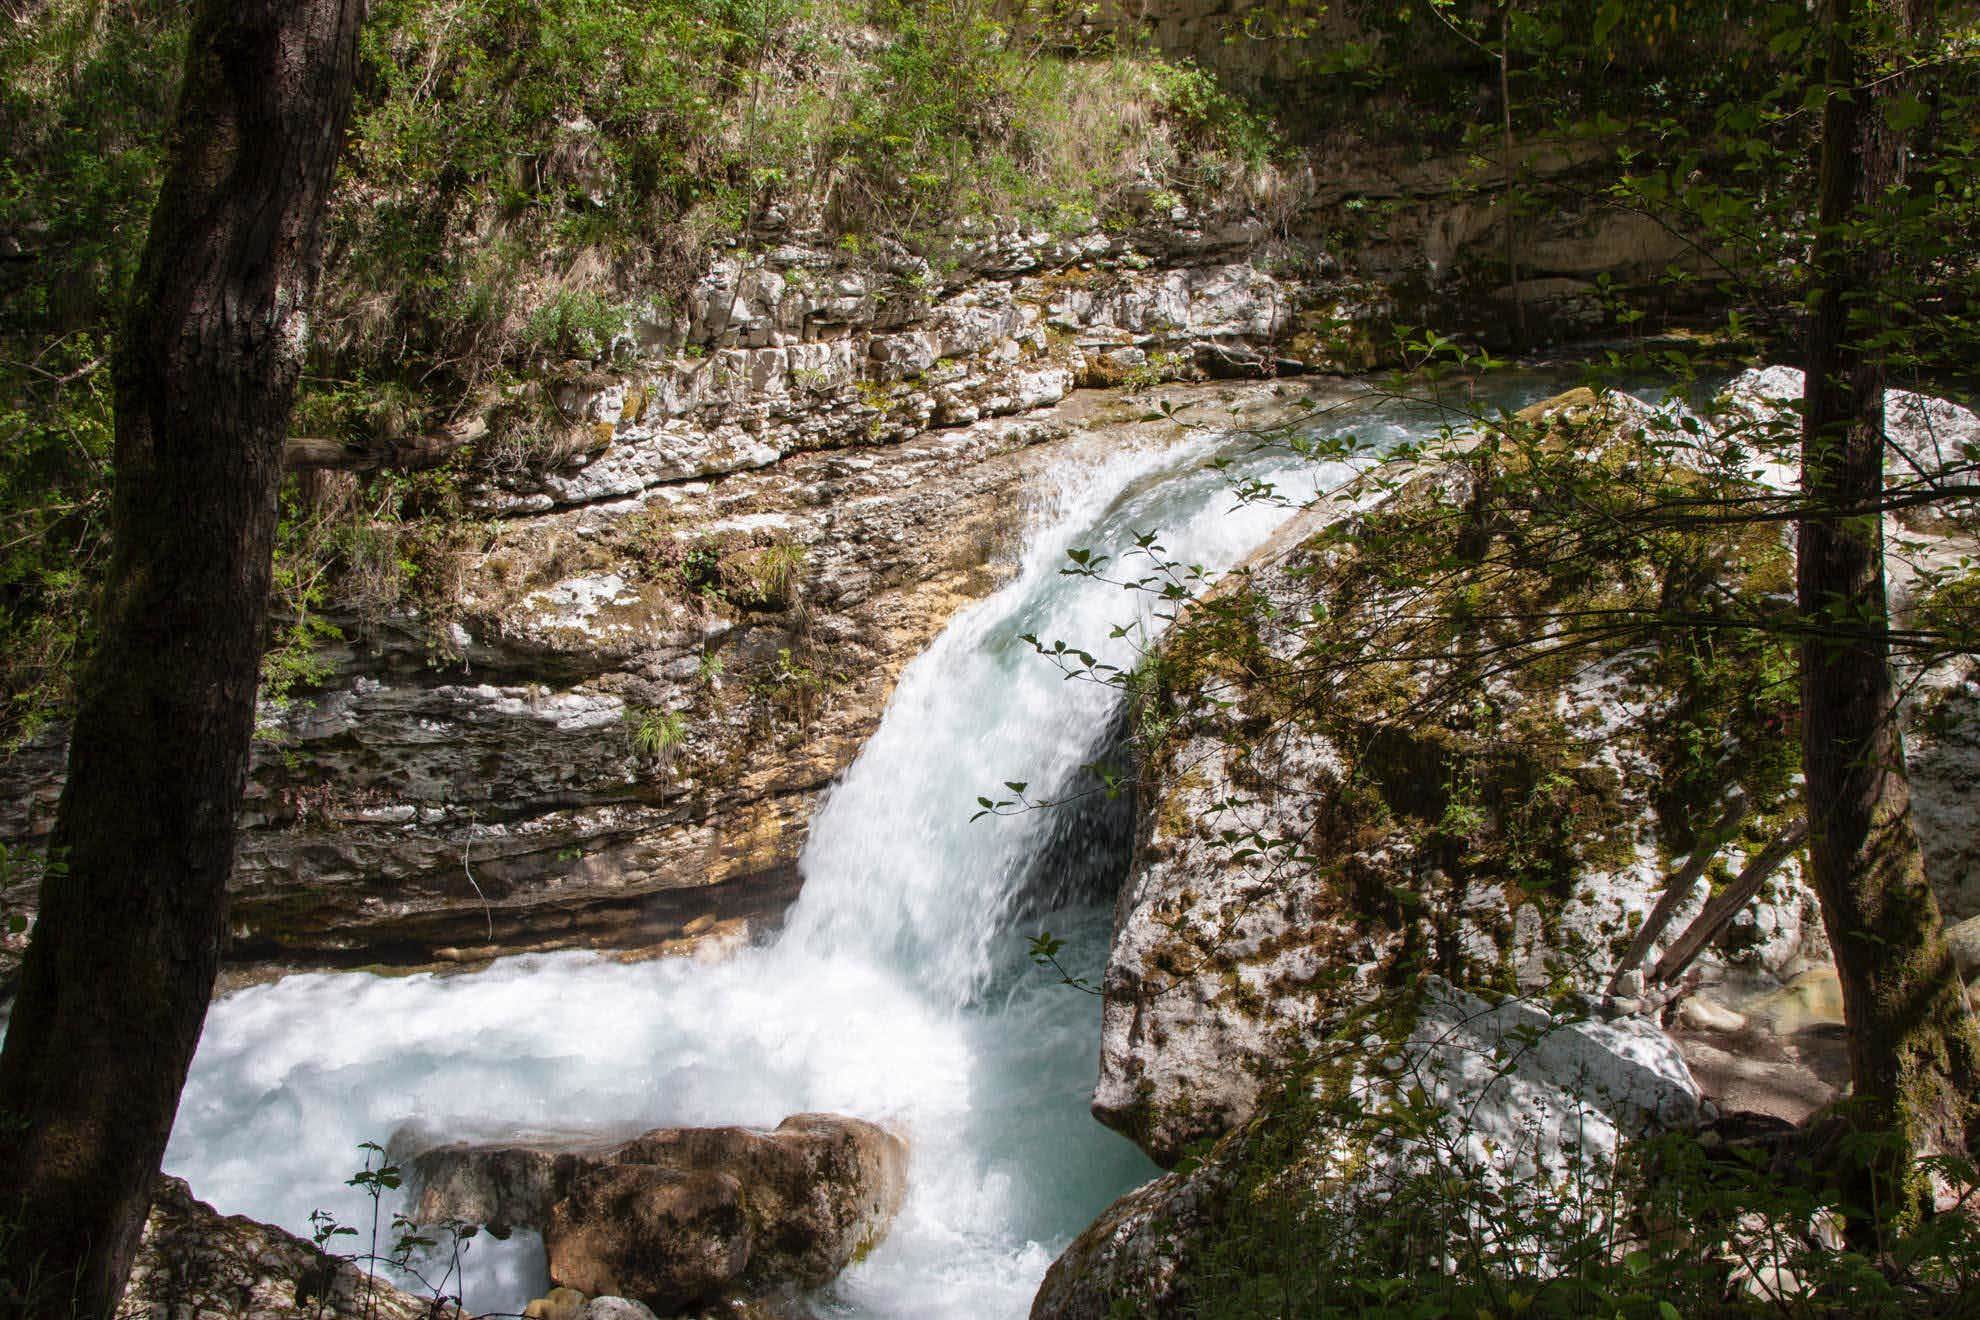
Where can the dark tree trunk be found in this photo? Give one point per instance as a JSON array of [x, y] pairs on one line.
[[1914, 1054], [115, 984]]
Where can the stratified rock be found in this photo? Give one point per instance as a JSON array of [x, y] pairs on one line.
[[682, 1216], [467, 778], [198, 1264]]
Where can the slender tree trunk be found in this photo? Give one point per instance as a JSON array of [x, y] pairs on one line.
[[1511, 181], [115, 984], [1914, 1054]]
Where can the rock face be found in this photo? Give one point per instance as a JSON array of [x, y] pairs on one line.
[[1223, 965], [680, 1217], [675, 588], [1306, 859], [197, 1264]]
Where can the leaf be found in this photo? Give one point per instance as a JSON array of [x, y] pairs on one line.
[[1905, 113]]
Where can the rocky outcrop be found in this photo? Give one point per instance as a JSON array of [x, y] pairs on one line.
[[196, 1264], [1308, 855], [1545, 1098], [682, 1217], [664, 594], [1227, 959]]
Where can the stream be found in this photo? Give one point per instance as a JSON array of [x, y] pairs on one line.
[[898, 989]]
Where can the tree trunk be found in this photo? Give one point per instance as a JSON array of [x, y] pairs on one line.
[[115, 984], [1914, 1053]]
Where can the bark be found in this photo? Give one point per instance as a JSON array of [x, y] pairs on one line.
[[1914, 1053], [115, 984], [1723, 907]]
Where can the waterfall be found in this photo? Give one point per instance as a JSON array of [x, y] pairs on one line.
[[899, 989]]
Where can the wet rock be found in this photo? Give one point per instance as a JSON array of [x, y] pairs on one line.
[[683, 1215], [671, 1237], [195, 1263], [1546, 1100], [615, 1308], [679, 1217], [500, 1187]]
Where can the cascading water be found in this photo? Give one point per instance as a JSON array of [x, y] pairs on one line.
[[899, 989]]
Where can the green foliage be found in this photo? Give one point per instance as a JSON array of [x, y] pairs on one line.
[[576, 323], [428, 1257], [85, 94], [794, 688], [657, 734], [1207, 111]]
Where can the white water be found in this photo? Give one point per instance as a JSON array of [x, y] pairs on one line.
[[898, 991]]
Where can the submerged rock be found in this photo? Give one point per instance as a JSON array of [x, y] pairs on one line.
[[195, 1263], [681, 1217]]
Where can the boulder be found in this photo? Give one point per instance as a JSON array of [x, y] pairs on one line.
[[195, 1263], [501, 1187], [669, 1237], [680, 1217], [615, 1308], [684, 1215], [1531, 1101]]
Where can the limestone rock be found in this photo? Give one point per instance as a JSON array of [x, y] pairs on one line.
[[196, 1264], [1231, 967], [465, 781], [1134, 1256], [1226, 963], [683, 1215]]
